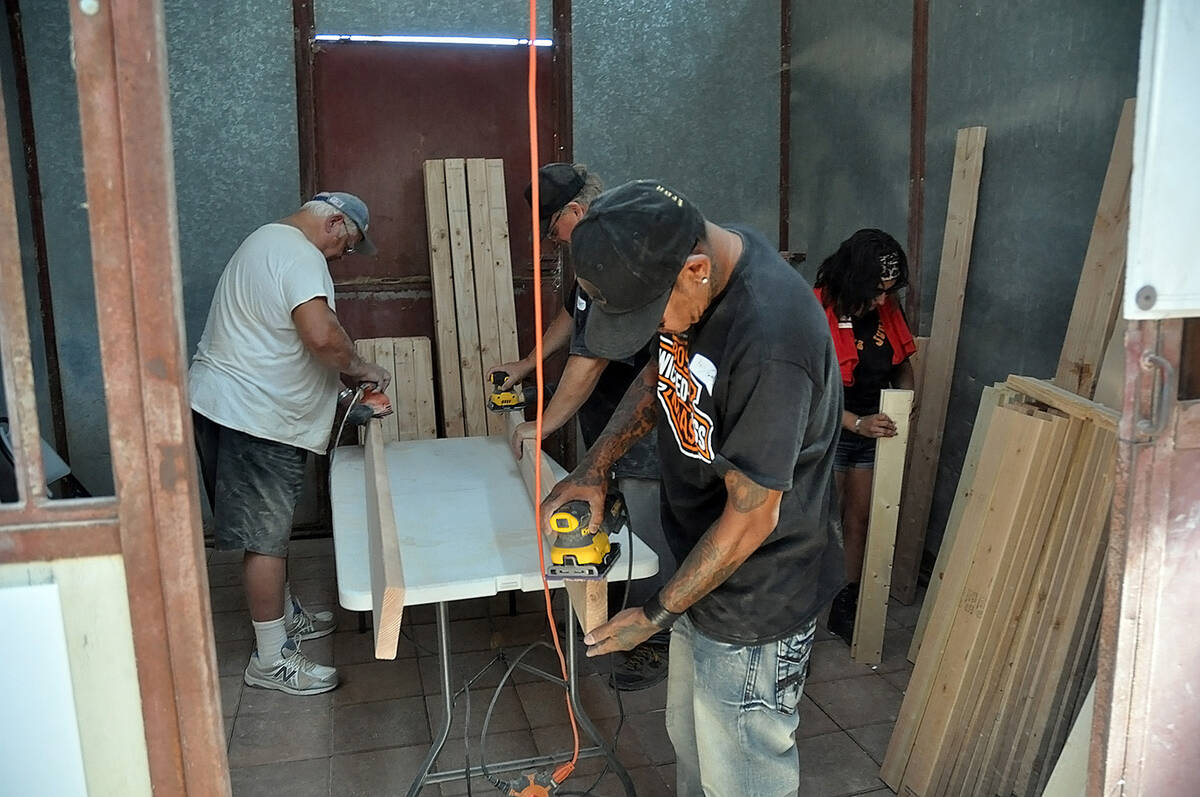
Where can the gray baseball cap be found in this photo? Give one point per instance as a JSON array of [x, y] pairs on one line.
[[356, 210]]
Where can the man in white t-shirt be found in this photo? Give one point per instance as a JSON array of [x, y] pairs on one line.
[[264, 385]]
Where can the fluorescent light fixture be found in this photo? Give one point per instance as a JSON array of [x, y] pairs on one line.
[[495, 41]]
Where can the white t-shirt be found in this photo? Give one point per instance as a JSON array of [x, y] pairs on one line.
[[251, 371]]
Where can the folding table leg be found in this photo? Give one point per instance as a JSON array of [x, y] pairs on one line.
[[443, 627]]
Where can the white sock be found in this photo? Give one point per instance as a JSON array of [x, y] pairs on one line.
[[289, 605], [270, 637]]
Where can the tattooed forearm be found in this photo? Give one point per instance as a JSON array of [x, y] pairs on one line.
[[751, 512], [744, 494], [632, 419]]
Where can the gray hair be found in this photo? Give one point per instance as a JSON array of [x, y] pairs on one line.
[[323, 209], [593, 186]]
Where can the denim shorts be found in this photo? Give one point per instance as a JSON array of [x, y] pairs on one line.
[[854, 451], [252, 485]]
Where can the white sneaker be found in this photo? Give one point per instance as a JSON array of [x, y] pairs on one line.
[[294, 673], [306, 625]]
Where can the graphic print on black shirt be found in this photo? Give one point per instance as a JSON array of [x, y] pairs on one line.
[[873, 372], [678, 393]]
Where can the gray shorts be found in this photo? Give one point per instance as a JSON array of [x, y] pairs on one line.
[[252, 485]]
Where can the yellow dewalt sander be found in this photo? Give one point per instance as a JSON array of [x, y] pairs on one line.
[[582, 548]]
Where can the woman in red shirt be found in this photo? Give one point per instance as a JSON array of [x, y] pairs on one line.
[[856, 286]]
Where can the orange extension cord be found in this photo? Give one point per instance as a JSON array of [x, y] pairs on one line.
[[564, 771]]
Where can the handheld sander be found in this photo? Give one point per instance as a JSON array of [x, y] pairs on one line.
[[363, 404], [583, 548]]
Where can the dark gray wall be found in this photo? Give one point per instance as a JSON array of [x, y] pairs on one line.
[[687, 91], [851, 68], [503, 18], [1047, 78]]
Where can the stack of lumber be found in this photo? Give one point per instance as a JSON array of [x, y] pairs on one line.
[[470, 266], [1011, 630]]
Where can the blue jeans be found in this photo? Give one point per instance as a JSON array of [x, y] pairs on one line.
[[731, 713]]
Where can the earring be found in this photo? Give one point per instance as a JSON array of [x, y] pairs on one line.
[[704, 281]]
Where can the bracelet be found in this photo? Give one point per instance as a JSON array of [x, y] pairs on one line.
[[657, 614], [857, 423]]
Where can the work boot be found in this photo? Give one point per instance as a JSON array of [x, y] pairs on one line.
[[644, 666], [306, 625], [294, 673], [842, 612]]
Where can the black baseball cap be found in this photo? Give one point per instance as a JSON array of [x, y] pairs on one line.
[[628, 251], [558, 184]]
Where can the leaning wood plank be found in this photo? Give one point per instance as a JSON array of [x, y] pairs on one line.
[[1054, 396], [960, 659], [404, 380], [485, 279], [506, 312], [991, 398], [387, 574], [442, 282], [588, 596], [939, 361], [426, 428], [1097, 298], [867, 646], [920, 684], [385, 356], [465, 307]]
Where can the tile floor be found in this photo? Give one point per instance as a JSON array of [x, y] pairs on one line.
[[369, 735]]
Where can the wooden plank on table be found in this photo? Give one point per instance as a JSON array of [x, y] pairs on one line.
[[1020, 468], [506, 311], [971, 724], [991, 398], [387, 574], [426, 426], [920, 684], [588, 596], [465, 303], [939, 361], [1098, 297], [1062, 400], [867, 644], [442, 283], [485, 280]]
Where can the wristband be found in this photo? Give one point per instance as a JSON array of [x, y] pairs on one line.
[[657, 614], [857, 423]]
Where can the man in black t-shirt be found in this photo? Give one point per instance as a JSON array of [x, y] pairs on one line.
[[743, 383]]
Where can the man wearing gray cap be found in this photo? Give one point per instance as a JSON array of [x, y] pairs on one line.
[[264, 384], [743, 382]]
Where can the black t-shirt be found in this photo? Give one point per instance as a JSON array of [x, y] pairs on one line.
[[641, 460], [873, 372], [754, 386]]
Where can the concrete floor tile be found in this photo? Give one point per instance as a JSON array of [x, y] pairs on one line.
[[228, 599], [320, 546], [650, 731], [231, 694], [465, 635], [813, 721], [907, 616], [271, 738], [629, 750], [350, 647], [895, 650], [646, 780], [377, 680], [643, 700], [874, 739], [833, 765], [310, 568], [232, 656], [295, 778], [830, 661], [225, 575], [259, 701], [464, 666], [900, 678], [666, 772], [855, 702], [509, 715], [315, 591], [501, 747], [544, 701], [373, 726], [375, 773], [230, 626]]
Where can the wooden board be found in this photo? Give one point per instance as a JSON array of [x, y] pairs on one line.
[[991, 398], [1065, 401], [867, 645], [387, 574], [506, 312], [442, 284], [939, 360], [409, 360], [485, 280], [465, 299], [1097, 299]]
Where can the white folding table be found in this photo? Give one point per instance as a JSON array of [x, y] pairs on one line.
[[465, 526]]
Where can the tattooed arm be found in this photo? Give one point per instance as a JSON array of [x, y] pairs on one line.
[[631, 420], [751, 514]]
